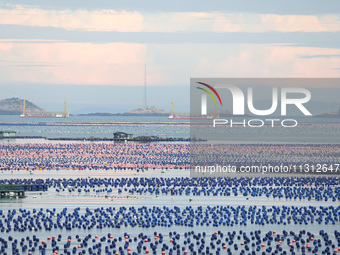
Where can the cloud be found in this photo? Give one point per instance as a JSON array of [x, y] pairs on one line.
[[167, 64], [178, 63], [269, 61], [319, 56], [175, 46], [95, 20], [30, 40], [301, 23], [133, 21], [189, 21], [73, 63]]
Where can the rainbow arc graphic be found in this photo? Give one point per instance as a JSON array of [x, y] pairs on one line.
[[204, 100]]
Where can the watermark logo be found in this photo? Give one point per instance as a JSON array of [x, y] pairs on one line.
[[243, 102], [204, 97], [238, 99], [264, 126]]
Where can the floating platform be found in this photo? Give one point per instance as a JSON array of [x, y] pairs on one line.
[[91, 123], [8, 190], [96, 139], [43, 114]]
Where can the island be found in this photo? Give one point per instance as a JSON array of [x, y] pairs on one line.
[[329, 115]]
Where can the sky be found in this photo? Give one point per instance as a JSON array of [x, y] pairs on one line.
[[93, 53]]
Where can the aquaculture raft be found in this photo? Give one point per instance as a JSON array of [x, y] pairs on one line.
[[19, 190]]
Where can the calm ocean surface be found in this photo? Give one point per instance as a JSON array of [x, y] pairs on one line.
[[310, 130], [58, 200], [99, 127], [85, 127]]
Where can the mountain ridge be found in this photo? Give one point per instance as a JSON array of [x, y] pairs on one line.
[[14, 106]]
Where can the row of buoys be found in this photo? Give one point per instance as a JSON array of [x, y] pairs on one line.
[[266, 183], [93, 156], [148, 217], [298, 158], [79, 156], [217, 242], [315, 193], [302, 188]]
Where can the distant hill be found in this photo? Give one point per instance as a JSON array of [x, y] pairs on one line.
[[152, 111], [98, 114], [14, 106], [330, 115]]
